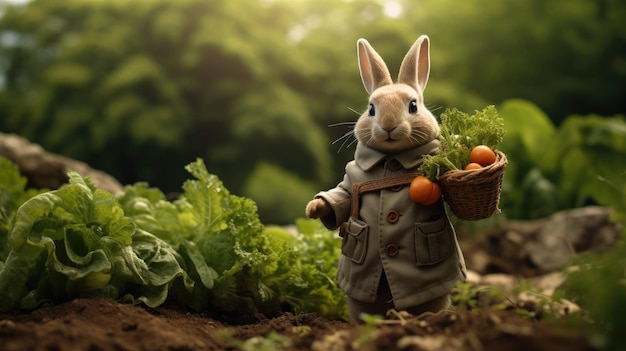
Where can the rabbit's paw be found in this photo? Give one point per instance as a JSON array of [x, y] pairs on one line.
[[317, 208]]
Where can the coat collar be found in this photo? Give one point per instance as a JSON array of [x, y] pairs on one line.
[[366, 157]]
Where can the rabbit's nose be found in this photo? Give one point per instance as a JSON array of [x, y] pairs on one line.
[[389, 129]]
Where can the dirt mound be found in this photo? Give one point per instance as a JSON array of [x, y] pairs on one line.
[[106, 325]]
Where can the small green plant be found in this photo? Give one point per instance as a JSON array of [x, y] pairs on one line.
[[464, 296], [273, 341], [598, 284], [538, 304], [472, 297], [370, 321]]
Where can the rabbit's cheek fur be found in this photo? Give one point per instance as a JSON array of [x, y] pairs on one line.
[[424, 128], [412, 131]]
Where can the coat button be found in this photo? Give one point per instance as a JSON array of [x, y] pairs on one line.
[[395, 165], [392, 217], [391, 250]]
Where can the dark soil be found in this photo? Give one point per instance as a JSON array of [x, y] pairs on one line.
[[106, 325]]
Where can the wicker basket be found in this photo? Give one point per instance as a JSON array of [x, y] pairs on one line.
[[474, 195]]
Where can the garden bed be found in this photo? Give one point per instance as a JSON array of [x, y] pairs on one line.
[[106, 325]]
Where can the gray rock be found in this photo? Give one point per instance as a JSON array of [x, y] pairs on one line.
[[566, 233], [531, 248]]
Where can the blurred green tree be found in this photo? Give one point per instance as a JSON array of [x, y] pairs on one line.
[[141, 88], [569, 57]]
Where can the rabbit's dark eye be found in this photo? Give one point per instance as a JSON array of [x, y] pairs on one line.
[[413, 106], [372, 110]]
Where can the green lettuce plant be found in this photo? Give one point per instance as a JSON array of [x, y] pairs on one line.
[[208, 249], [238, 264], [76, 241], [13, 192]]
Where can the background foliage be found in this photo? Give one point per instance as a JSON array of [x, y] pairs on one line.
[[141, 88]]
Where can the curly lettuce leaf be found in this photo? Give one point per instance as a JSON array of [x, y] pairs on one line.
[[306, 276], [202, 226], [239, 266], [155, 266], [152, 213], [227, 232], [13, 193], [75, 242], [227, 250]]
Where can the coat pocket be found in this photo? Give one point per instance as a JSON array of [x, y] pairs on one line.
[[354, 244], [433, 241]]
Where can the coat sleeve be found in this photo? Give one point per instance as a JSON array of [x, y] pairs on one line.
[[339, 200]]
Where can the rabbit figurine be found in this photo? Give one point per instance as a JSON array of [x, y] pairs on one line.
[[396, 254]]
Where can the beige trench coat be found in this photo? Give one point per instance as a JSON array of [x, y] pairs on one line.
[[414, 245]]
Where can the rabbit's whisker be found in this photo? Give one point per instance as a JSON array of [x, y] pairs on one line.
[[351, 143], [346, 135], [343, 145], [370, 140], [433, 108], [417, 135], [346, 138], [342, 124], [409, 135], [355, 111]]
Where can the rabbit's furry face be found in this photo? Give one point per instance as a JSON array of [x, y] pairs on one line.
[[396, 120]]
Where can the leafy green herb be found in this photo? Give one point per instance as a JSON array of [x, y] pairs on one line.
[[460, 133]]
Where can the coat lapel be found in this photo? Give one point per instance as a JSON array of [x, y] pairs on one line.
[[366, 157]]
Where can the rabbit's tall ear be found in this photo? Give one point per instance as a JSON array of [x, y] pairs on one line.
[[415, 67], [374, 72]]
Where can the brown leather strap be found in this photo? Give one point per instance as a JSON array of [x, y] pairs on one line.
[[359, 188]]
